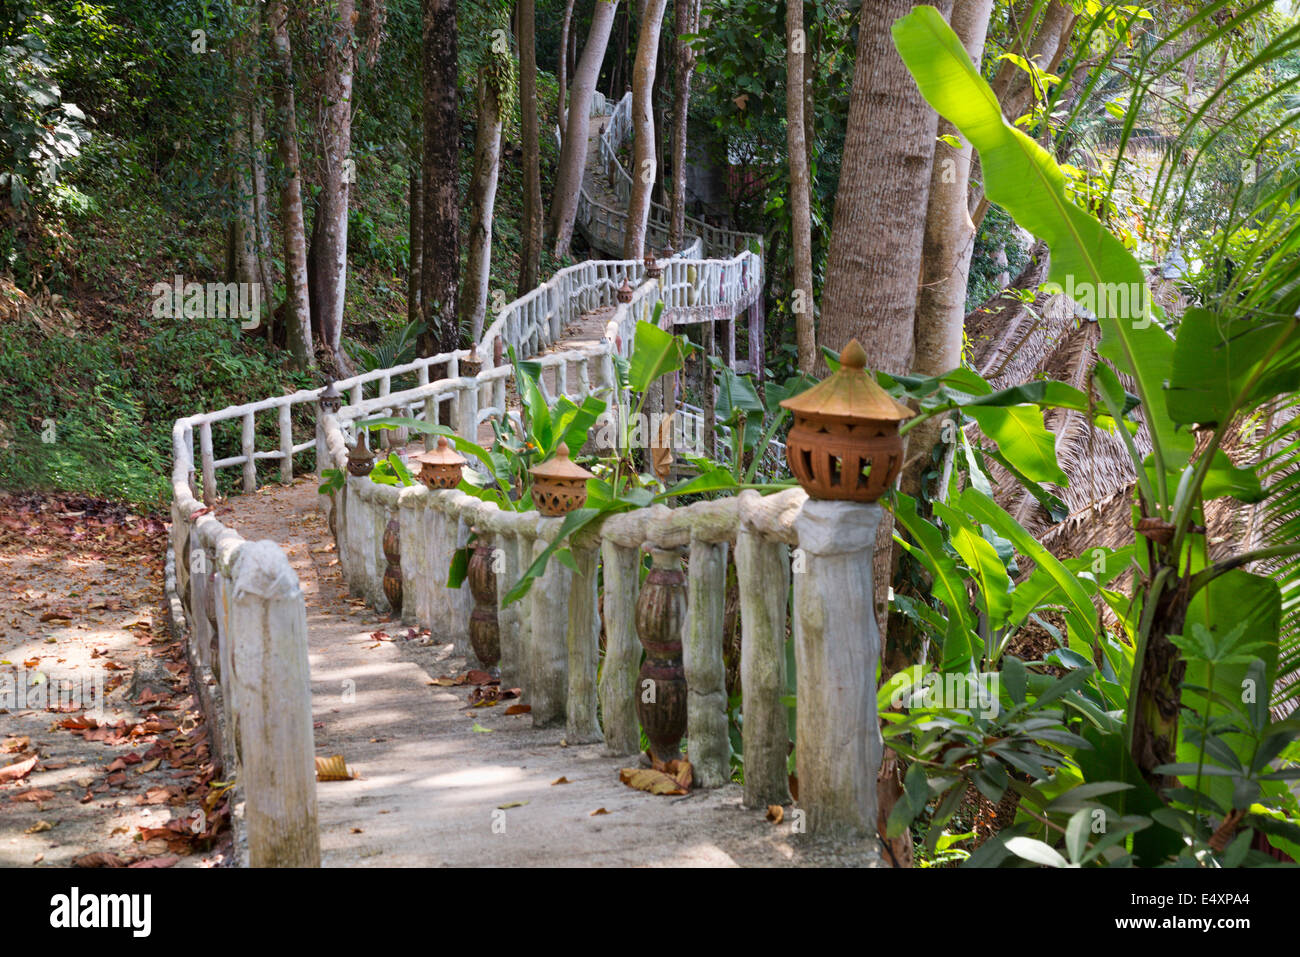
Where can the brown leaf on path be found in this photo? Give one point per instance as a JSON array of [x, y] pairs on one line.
[[333, 768], [35, 795], [39, 827], [99, 859], [57, 615], [18, 770], [167, 861], [519, 709], [599, 810], [560, 780], [444, 682], [648, 779], [775, 813], [15, 744]]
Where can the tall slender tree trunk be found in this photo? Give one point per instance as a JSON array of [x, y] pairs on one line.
[[483, 192], [643, 144], [687, 13], [415, 241], [441, 261], [531, 252], [292, 224], [946, 254], [563, 74], [244, 228], [801, 291], [340, 62], [573, 157]]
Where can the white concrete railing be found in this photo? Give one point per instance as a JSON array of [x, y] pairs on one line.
[[242, 599], [549, 639]]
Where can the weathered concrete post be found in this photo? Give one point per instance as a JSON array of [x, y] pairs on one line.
[[706, 674], [548, 653], [583, 641], [836, 649], [272, 696], [763, 574], [506, 561], [622, 566]]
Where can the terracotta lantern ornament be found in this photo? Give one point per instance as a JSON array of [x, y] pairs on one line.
[[559, 484], [844, 444], [625, 291], [330, 399], [652, 268], [360, 459], [441, 467]]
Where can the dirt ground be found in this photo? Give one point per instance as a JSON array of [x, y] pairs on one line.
[[104, 758]]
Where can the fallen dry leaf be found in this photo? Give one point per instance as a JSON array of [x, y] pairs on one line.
[[39, 827], [775, 813], [519, 709], [333, 768], [13, 745], [560, 780], [599, 810], [651, 780], [99, 859], [18, 770]]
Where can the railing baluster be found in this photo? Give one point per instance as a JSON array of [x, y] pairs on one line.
[[248, 435], [621, 570], [286, 444], [706, 675]]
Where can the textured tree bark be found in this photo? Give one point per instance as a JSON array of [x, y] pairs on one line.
[[531, 247], [483, 192], [563, 74], [292, 224], [441, 265], [340, 61], [874, 261], [246, 265], [573, 157], [583, 639], [415, 240], [687, 13], [796, 47], [946, 254], [643, 144]]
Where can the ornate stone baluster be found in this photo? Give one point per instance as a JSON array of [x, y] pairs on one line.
[[661, 690], [484, 629]]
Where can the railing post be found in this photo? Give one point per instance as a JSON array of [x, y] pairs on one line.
[[208, 464], [583, 647], [247, 438], [837, 647], [706, 674], [513, 667], [286, 444], [763, 577], [548, 681], [621, 568], [272, 695]]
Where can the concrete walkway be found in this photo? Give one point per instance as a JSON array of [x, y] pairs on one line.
[[441, 783]]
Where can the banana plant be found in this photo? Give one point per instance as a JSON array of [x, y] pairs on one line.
[[1222, 365]]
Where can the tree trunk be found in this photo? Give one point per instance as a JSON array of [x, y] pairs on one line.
[[563, 74], [415, 241], [1012, 85], [340, 61], [531, 247], [292, 223], [643, 144], [483, 194], [573, 158], [946, 255], [441, 261], [242, 57], [801, 299], [687, 13]]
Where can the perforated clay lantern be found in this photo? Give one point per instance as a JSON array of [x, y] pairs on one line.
[[360, 459], [844, 444], [441, 467], [559, 484]]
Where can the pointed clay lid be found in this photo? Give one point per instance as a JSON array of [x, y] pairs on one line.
[[560, 466], [849, 393], [359, 452], [444, 454]]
